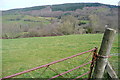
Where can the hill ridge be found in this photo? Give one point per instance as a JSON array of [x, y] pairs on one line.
[[63, 7]]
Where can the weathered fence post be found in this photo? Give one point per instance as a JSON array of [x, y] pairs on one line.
[[104, 53], [110, 71]]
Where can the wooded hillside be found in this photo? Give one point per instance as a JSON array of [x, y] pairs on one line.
[[62, 19]]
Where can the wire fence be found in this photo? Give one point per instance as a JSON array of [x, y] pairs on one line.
[[75, 66]]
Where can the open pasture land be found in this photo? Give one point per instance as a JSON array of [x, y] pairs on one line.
[[15, 25], [26, 53]]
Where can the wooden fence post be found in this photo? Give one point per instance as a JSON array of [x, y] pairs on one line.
[[104, 51], [110, 71]]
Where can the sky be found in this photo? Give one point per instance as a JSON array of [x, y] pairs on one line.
[[12, 4]]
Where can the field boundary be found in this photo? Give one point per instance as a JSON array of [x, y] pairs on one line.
[[47, 65]]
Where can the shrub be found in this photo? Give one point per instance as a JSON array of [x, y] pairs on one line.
[[5, 36]]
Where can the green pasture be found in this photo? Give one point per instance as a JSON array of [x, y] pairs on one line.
[[84, 21], [26, 53], [19, 19], [15, 25]]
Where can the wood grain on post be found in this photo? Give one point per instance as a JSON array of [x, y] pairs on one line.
[[104, 51], [110, 71]]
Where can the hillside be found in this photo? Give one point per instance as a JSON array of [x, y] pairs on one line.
[[55, 20], [60, 7]]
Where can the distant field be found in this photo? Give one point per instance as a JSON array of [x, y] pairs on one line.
[[18, 25], [18, 18], [25, 53]]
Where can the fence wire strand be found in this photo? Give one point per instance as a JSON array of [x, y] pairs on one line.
[[44, 71], [55, 71], [83, 63]]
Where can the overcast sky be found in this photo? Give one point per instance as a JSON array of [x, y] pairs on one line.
[[12, 4]]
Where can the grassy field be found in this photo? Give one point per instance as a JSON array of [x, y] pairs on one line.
[[25, 53], [15, 21], [16, 25], [20, 19]]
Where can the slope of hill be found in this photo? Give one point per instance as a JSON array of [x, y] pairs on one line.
[[61, 7], [74, 6], [62, 19]]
